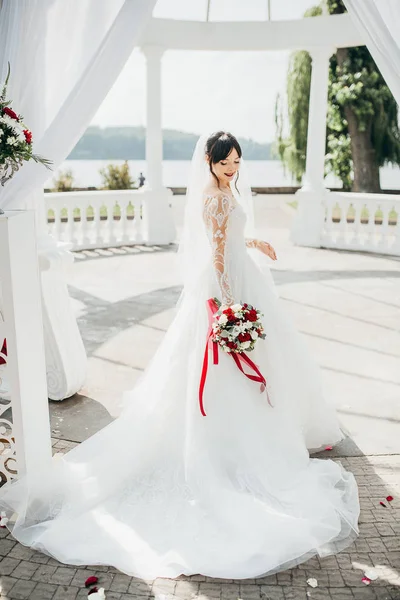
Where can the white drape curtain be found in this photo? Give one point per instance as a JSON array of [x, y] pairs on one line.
[[65, 55], [379, 23]]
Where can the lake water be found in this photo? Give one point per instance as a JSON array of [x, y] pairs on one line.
[[263, 173]]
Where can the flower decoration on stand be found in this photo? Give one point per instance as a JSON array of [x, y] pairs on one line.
[[15, 139]]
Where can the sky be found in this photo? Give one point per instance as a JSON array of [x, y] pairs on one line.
[[203, 91]]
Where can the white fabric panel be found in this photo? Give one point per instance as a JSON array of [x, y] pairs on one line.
[[65, 56], [379, 23]]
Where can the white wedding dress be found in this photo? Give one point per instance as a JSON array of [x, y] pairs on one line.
[[163, 490]]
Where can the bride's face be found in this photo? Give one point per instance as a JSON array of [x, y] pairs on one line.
[[226, 169]]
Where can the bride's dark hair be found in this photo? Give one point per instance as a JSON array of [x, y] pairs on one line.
[[218, 147]]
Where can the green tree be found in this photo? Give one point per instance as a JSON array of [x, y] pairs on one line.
[[117, 177], [64, 182], [362, 127]]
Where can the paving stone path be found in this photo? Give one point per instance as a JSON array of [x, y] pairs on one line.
[[26, 574]]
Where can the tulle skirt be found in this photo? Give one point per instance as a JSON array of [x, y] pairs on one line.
[[164, 491]]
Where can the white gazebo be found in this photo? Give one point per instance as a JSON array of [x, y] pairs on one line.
[[317, 223], [320, 36], [93, 58]]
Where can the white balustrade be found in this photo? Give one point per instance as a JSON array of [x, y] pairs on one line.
[[97, 219], [364, 222]]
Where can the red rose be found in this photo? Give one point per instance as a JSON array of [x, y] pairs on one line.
[[231, 345], [252, 315], [28, 136], [10, 113], [244, 337]]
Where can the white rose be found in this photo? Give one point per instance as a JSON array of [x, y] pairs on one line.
[[236, 330], [254, 335], [236, 307], [21, 137], [11, 141], [223, 319], [19, 131], [245, 345], [12, 123]]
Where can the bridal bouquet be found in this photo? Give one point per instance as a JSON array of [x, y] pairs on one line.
[[237, 328], [15, 139]]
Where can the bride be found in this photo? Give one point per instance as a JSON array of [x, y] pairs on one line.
[[164, 490]]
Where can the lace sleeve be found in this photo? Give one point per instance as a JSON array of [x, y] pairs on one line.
[[216, 216], [252, 243]]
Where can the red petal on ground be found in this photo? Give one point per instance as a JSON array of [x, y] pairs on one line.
[[91, 580], [366, 580], [383, 504], [389, 498]]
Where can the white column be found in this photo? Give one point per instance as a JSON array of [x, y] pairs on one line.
[[158, 223], [25, 372], [154, 141], [310, 213]]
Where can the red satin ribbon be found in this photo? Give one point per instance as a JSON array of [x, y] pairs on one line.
[[3, 351], [212, 308], [238, 357]]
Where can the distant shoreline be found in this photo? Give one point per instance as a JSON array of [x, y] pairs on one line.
[[144, 158], [269, 174], [70, 158], [129, 143]]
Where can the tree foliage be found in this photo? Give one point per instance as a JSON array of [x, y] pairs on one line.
[[292, 149], [360, 104], [64, 181], [116, 177]]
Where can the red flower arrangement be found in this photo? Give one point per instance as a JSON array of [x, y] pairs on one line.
[[15, 140]]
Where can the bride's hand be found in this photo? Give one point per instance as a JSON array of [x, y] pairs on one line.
[[267, 249]]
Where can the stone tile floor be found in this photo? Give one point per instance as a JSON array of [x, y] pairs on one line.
[[347, 305], [26, 574]]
